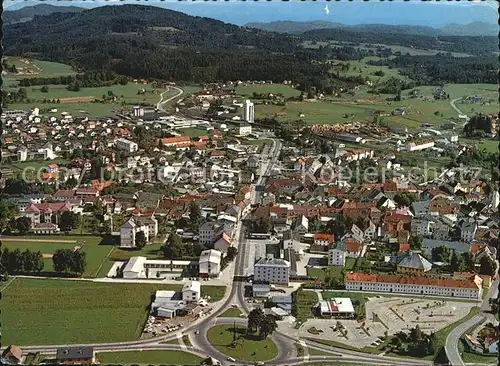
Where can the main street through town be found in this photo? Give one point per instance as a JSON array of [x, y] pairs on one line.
[[201, 346]]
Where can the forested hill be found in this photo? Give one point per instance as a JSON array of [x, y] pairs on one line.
[[477, 45], [294, 27], [29, 12], [146, 41]]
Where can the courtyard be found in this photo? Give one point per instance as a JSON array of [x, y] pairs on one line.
[[387, 316]]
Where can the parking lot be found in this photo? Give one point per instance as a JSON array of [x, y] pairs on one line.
[[391, 314]]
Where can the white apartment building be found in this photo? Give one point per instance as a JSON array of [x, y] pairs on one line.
[[248, 111], [131, 162], [244, 129], [336, 257], [126, 145], [451, 287], [271, 270], [209, 263], [129, 230]]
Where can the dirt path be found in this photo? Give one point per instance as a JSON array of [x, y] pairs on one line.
[[39, 240]]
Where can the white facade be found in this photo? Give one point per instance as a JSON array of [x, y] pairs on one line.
[[248, 111], [135, 268], [209, 233], [336, 257], [413, 288], [191, 291], [272, 270], [468, 232], [129, 230], [422, 146], [126, 145], [244, 130], [421, 226], [209, 263]]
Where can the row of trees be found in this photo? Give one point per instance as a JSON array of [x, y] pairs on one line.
[[86, 80], [16, 262], [68, 261]]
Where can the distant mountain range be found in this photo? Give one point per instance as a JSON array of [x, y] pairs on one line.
[[27, 13], [471, 29]]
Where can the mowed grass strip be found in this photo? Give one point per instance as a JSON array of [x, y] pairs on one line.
[[61, 311], [149, 357], [248, 348], [285, 90]]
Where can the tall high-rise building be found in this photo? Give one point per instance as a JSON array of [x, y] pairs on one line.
[[248, 111]]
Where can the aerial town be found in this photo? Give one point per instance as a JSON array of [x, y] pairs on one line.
[[246, 222]]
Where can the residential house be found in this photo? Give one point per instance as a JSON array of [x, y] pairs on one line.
[[75, 356], [468, 230], [210, 232], [413, 263], [322, 242], [12, 355], [191, 291], [351, 247], [223, 244], [336, 257], [46, 212], [301, 225], [126, 145]]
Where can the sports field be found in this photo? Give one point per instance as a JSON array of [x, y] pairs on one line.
[[62, 311], [95, 249]]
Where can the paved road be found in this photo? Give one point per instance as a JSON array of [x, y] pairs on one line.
[[162, 102], [451, 346], [454, 337]]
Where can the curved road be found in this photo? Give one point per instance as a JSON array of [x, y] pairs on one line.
[[162, 102], [454, 337]]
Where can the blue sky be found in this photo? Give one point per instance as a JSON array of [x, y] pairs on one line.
[[414, 12]]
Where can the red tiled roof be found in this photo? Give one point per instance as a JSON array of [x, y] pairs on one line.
[[320, 236], [404, 247]]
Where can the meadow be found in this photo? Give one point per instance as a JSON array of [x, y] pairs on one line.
[[248, 90], [148, 357], [35, 68], [61, 311], [96, 251]]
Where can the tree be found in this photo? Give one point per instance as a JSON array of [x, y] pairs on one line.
[[267, 326], [194, 213], [441, 254], [456, 262], [23, 225], [231, 253], [69, 221], [7, 211], [488, 267], [61, 260], [140, 240], [79, 262], [405, 199], [44, 89], [416, 242], [255, 319], [174, 247], [262, 225]]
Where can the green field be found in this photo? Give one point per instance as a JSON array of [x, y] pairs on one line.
[[59, 311], [96, 252], [320, 112], [231, 313], [193, 132], [248, 348], [361, 68], [489, 145], [304, 301], [34, 68], [285, 90], [149, 357], [35, 164]]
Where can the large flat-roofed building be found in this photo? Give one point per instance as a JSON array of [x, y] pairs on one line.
[[339, 307], [135, 268], [272, 270], [470, 287], [141, 267], [209, 263]]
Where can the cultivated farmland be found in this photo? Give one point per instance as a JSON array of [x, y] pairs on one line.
[[61, 311]]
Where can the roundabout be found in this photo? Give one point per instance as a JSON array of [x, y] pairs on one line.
[[246, 347]]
